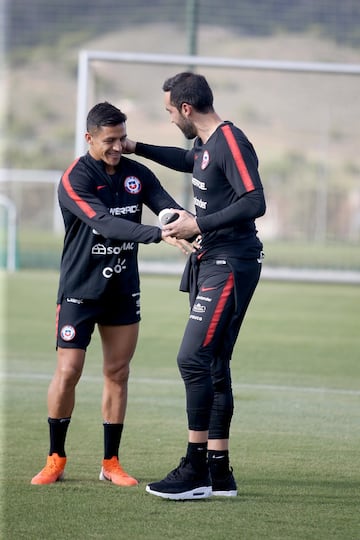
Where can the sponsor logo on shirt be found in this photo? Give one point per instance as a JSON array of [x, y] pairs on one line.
[[100, 249], [123, 210], [197, 183], [109, 271], [200, 203]]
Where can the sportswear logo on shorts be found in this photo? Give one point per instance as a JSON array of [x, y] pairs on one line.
[[75, 300], [67, 332], [132, 185]]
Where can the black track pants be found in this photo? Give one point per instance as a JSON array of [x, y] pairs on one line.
[[224, 290]]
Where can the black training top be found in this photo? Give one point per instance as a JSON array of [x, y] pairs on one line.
[[228, 193], [102, 218]]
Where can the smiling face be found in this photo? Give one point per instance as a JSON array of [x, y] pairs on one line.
[[106, 144]]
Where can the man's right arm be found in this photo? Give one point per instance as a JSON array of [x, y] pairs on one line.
[[76, 198], [168, 156]]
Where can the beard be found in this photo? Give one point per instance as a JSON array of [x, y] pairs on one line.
[[188, 128]]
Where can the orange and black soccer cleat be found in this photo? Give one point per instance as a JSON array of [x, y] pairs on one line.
[[52, 472], [112, 471]]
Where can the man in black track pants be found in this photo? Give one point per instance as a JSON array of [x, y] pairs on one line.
[[221, 277]]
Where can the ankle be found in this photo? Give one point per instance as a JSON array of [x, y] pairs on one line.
[[197, 455]]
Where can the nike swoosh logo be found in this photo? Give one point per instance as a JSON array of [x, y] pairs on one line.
[[100, 187], [204, 289]]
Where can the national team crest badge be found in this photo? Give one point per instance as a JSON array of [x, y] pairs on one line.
[[205, 160], [132, 185], [67, 332]]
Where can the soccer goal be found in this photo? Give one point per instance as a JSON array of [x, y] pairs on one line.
[[87, 57], [298, 115]]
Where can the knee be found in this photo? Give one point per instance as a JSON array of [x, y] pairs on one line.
[[117, 373], [185, 366], [68, 375], [193, 368], [69, 368]]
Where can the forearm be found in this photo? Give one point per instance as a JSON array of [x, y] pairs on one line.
[[122, 229], [250, 206], [168, 156]]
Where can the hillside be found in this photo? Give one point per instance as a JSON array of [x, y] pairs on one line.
[[305, 127], [44, 22], [42, 90]]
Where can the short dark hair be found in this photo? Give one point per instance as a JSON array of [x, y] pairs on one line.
[[191, 88], [104, 114]]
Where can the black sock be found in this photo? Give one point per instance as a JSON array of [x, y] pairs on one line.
[[218, 461], [197, 455], [112, 436], [58, 428]]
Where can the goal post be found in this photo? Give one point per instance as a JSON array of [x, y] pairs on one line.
[[299, 163], [10, 228], [86, 57]]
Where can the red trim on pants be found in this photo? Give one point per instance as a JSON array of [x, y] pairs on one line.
[[229, 285]]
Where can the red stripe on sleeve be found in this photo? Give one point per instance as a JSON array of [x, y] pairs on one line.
[[238, 158], [85, 207], [229, 285]]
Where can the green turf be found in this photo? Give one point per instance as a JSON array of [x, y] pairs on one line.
[[41, 249], [295, 434]]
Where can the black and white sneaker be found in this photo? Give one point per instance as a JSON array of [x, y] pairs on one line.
[[224, 485], [183, 483]]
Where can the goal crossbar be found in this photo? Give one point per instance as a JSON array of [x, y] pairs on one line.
[[87, 56]]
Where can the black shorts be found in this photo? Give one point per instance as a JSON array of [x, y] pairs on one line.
[[76, 319]]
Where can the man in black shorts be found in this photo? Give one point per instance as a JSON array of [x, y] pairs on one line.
[[101, 197], [221, 277]]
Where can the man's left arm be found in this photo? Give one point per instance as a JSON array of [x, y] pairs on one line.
[[250, 206]]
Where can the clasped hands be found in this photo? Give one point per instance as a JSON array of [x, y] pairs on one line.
[[183, 228]]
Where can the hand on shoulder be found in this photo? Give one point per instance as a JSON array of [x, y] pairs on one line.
[[129, 147]]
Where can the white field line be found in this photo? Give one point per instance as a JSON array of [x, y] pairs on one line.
[[154, 380]]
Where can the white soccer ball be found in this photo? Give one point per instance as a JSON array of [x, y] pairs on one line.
[[167, 216]]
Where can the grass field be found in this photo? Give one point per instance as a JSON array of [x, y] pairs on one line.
[[295, 433], [42, 249]]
